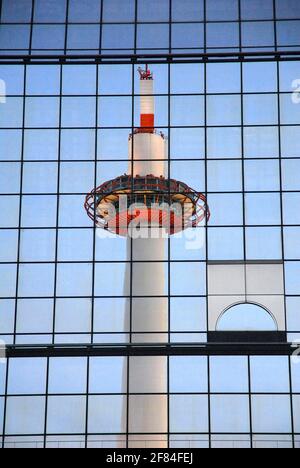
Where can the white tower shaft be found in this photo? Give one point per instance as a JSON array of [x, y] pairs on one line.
[[149, 305]]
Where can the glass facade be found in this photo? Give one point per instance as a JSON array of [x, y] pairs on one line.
[[227, 84]]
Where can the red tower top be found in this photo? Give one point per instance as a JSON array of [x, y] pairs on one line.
[[145, 74]]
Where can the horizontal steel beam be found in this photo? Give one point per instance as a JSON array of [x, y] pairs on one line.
[[189, 349], [109, 59]]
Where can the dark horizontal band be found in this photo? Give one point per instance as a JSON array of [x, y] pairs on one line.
[[150, 58], [161, 349]]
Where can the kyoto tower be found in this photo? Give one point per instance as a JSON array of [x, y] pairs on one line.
[[146, 206]]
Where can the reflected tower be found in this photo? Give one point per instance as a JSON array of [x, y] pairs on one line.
[[146, 206]]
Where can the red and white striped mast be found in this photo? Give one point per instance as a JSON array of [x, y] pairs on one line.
[[147, 121]]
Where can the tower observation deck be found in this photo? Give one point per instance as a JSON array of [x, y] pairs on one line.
[[146, 195]]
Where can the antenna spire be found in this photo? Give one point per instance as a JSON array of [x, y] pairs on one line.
[[145, 74]]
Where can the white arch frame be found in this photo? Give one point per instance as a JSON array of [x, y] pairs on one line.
[[260, 306]]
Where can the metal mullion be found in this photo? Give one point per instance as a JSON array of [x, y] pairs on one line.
[[282, 236], [56, 256], [101, 26], [87, 396], [250, 399], [58, 206], [20, 205], [169, 239], [209, 394], [5, 404], [94, 256], [131, 240], [292, 402], [31, 25], [275, 25], [66, 24], [243, 144], [206, 226], [95, 227], [46, 402]]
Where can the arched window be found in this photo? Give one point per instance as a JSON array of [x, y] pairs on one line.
[[246, 317]]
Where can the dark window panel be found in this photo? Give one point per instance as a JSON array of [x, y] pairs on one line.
[[48, 37], [289, 9], [257, 10], [84, 11], [157, 10], [83, 37], [256, 34], [185, 36], [189, 10], [222, 35], [117, 37], [16, 11], [14, 37], [50, 11], [118, 11], [152, 36], [288, 33], [222, 10]]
